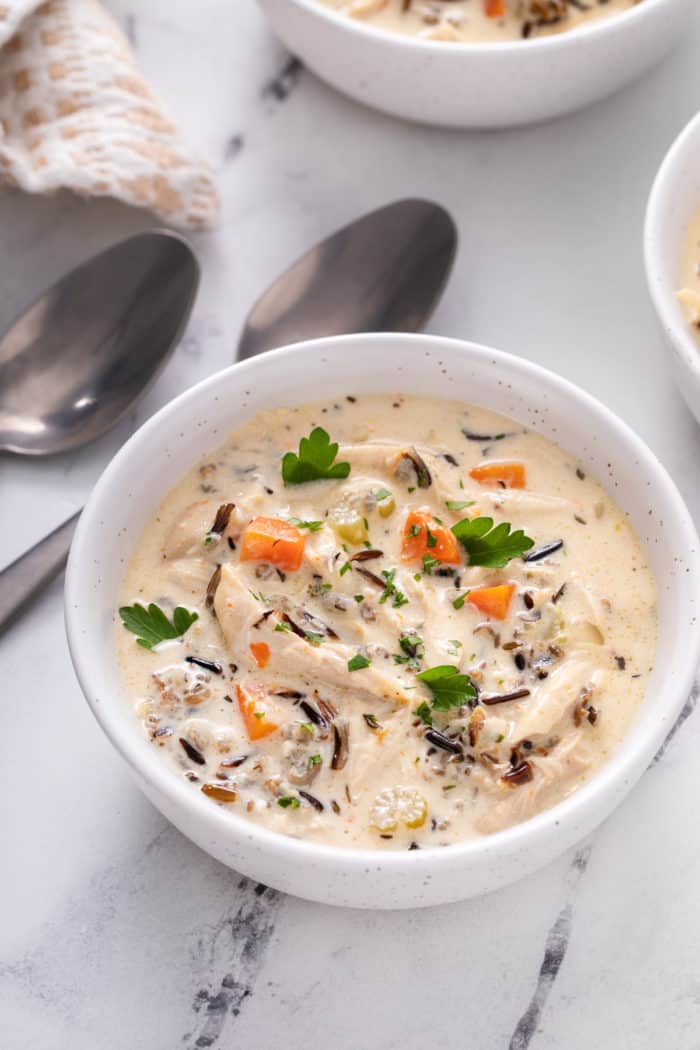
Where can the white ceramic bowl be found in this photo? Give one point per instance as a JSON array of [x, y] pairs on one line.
[[159, 453], [674, 200], [477, 85]]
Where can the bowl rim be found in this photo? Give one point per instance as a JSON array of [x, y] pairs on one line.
[[623, 767], [661, 198], [617, 22]]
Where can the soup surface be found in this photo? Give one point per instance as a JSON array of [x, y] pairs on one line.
[[427, 634], [479, 20], [689, 294]]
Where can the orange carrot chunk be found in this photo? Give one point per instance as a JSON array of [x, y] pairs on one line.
[[252, 707], [495, 8], [422, 535], [275, 541], [493, 601], [261, 653], [509, 475]]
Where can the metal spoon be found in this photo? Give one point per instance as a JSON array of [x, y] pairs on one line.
[[76, 360], [384, 272]]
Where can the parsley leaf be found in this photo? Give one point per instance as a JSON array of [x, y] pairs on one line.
[[486, 545], [412, 651], [391, 590], [288, 802], [459, 504], [312, 526], [358, 662], [448, 686], [153, 626], [314, 461], [381, 494], [423, 712]]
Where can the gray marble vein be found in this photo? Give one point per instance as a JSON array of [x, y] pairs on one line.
[[556, 945]]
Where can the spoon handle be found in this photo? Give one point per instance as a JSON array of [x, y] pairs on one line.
[[31, 572]]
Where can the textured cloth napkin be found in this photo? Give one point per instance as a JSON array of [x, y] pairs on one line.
[[76, 113]]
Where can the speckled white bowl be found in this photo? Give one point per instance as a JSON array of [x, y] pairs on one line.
[[159, 453], [477, 85], [674, 200]]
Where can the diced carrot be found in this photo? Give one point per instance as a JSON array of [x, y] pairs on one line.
[[422, 535], [261, 653], [493, 601], [251, 702], [275, 541], [495, 8], [511, 475]]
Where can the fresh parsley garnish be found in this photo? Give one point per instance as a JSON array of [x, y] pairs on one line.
[[429, 563], [357, 662], [314, 461], [313, 760], [287, 802], [460, 600], [431, 540], [459, 504], [486, 545], [415, 530], [371, 721], [359, 598], [448, 686], [313, 638], [345, 568], [412, 651], [312, 526], [381, 494], [283, 626], [423, 712], [391, 590], [153, 626]]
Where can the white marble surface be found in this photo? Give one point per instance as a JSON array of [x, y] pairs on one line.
[[116, 932]]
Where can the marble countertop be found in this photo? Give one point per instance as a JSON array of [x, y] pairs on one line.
[[116, 931]]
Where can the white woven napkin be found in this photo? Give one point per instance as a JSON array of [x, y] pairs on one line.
[[75, 112]]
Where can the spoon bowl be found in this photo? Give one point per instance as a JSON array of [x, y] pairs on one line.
[[75, 361], [384, 272]]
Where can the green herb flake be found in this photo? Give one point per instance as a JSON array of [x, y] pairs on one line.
[[449, 688], [371, 721], [307, 727], [358, 662], [459, 504], [345, 568], [314, 461], [283, 626], [313, 638], [312, 526], [429, 563], [152, 626], [423, 712], [359, 598], [432, 540], [313, 760], [459, 601], [489, 546], [287, 802], [391, 590], [415, 530], [381, 494]]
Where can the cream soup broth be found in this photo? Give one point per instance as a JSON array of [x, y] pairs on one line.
[[478, 21], [296, 699], [689, 294]]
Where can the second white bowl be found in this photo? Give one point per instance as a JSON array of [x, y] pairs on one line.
[[674, 200], [477, 85]]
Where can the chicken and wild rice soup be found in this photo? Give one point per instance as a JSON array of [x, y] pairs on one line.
[[478, 21], [386, 622]]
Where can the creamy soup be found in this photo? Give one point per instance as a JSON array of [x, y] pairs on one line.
[[479, 20], [689, 294], [426, 634]]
